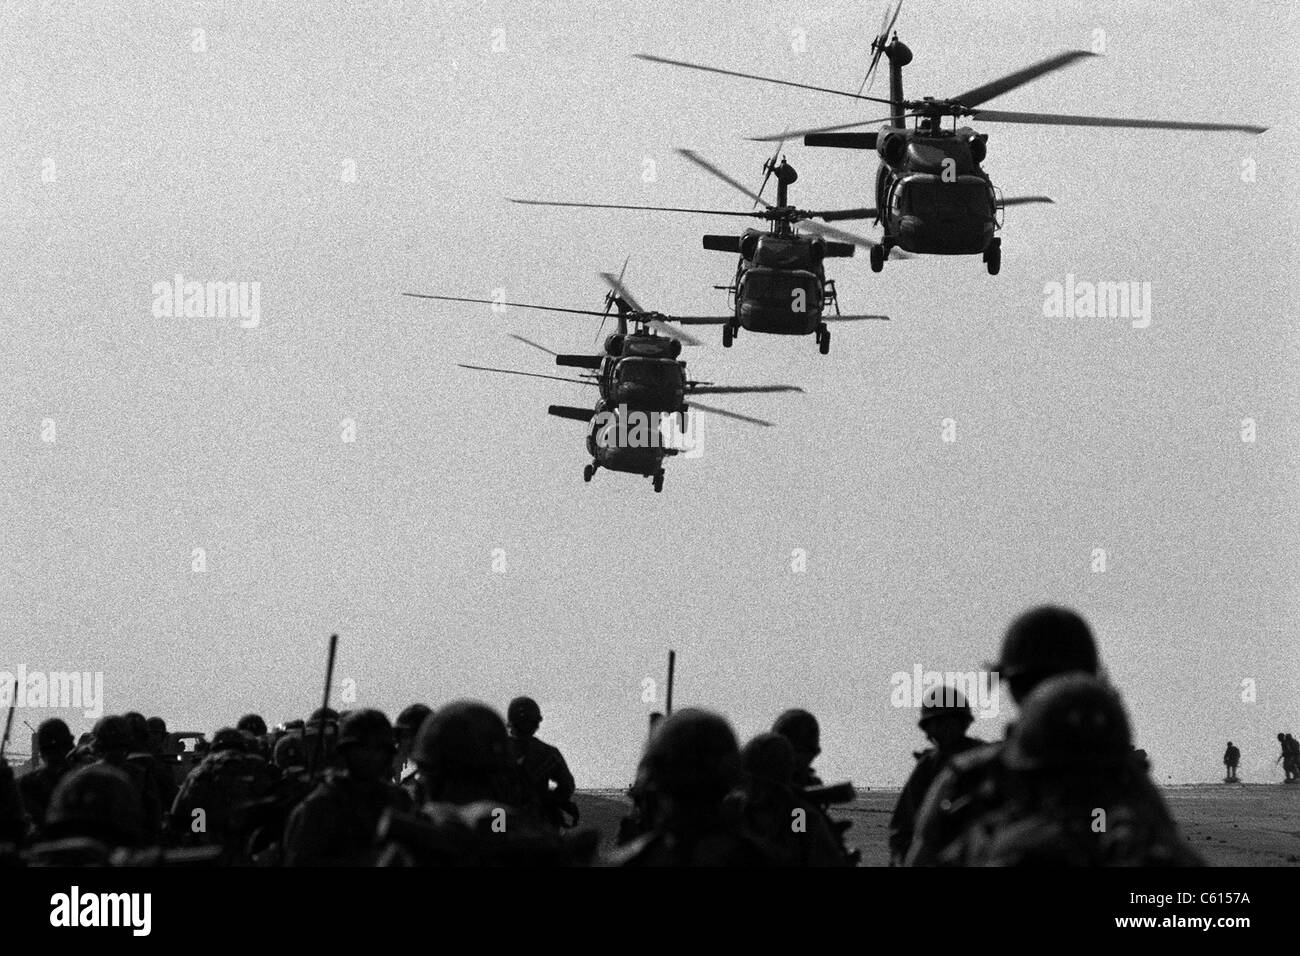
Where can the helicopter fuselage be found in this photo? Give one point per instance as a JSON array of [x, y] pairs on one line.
[[932, 195], [780, 284], [631, 443], [641, 370]]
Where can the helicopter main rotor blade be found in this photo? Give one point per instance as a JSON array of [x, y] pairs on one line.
[[511, 371], [835, 215], [855, 318], [701, 319], [665, 329], [707, 166], [518, 305], [751, 76], [603, 205], [620, 290], [707, 389], [840, 234], [535, 345], [1059, 119], [982, 94], [821, 129], [1025, 200], [726, 414]]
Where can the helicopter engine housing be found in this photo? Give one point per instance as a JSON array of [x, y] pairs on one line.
[[891, 146]]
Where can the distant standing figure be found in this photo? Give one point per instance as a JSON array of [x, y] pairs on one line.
[[1231, 758], [1287, 758]]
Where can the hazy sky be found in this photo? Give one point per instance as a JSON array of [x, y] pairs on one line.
[[133, 157]]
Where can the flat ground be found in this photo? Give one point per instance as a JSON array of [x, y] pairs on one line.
[[1241, 825]]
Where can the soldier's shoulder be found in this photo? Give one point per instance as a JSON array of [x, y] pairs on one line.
[[549, 750], [977, 759], [636, 852]]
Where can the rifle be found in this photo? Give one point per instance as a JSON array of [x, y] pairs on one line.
[[832, 793], [9, 720], [319, 749]]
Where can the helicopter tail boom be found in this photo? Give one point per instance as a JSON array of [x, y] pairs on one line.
[[841, 140], [578, 361], [568, 411]]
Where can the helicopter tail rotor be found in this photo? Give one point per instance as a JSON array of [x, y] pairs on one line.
[[878, 47]]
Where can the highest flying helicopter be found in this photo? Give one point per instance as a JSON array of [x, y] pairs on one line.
[[932, 194]]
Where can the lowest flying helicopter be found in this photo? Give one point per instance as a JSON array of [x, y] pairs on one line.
[[780, 286], [932, 194]]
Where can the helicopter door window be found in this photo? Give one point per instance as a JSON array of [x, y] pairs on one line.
[[896, 199]]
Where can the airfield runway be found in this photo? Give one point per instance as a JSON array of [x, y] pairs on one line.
[[1241, 825]]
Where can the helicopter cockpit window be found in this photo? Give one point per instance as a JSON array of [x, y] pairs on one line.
[[654, 374], [783, 255]]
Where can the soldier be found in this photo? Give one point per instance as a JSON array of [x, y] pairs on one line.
[[112, 745], [1231, 758], [94, 809], [691, 763], [945, 717], [1287, 758], [157, 728], [767, 805], [146, 757], [319, 737], [408, 725], [54, 744], [255, 727], [540, 765], [335, 824], [465, 768], [290, 754], [1039, 644], [804, 734], [206, 810], [1074, 795]]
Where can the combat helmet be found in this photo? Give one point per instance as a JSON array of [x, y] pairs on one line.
[[98, 801], [693, 757], [1070, 721]]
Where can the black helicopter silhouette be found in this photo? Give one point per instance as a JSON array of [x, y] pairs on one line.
[[780, 286], [620, 439], [931, 194], [639, 368]]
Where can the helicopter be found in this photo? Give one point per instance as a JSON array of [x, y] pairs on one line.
[[932, 194], [640, 367], [615, 446], [780, 286]]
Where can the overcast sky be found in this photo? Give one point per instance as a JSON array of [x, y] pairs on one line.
[[133, 156]]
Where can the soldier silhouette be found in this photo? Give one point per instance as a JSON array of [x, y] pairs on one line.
[[540, 765], [1231, 758]]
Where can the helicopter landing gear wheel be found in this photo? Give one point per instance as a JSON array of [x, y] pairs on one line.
[[659, 481], [877, 258], [727, 336], [993, 257], [587, 472], [823, 339]]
